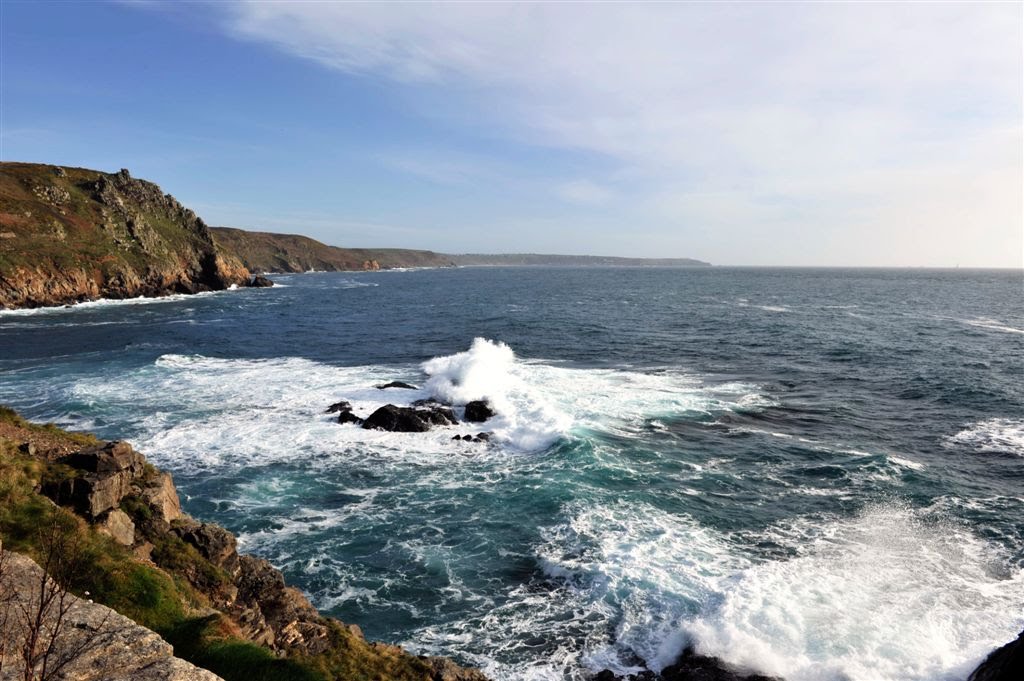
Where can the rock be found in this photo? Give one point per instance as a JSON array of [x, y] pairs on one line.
[[259, 281], [118, 525], [103, 645], [27, 448], [111, 457], [483, 437], [162, 498], [478, 411], [213, 542], [443, 669], [349, 417], [397, 384], [109, 472], [408, 419], [689, 667], [467, 438], [341, 406], [1003, 664], [693, 667]]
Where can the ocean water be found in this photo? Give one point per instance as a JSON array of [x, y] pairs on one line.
[[812, 473]]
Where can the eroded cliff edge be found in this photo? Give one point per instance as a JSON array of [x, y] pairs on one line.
[[72, 234], [137, 553]]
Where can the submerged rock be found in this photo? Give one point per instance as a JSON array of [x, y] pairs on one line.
[[397, 384], [478, 411], [690, 667], [341, 406], [1003, 664], [349, 417], [409, 419]]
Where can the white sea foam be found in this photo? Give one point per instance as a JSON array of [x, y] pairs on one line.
[[992, 324], [196, 411], [110, 302], [885, 596], [992, 435]]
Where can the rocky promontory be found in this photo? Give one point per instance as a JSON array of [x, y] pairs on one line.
[[109, 527], [269, 252], [70, 234]]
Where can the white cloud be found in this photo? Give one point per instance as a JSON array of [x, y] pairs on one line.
[[583, 192], [754, 113]]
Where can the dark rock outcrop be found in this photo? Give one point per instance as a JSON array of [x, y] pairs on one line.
[[478, 411], [260, 281], [397, 384], [409, 419], [349, 417], [690, 667], [341, 406], [1003, 664]]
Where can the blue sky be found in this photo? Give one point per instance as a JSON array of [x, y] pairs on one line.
[[753, 133]]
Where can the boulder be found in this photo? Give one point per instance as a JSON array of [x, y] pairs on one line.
[[110, 457], [478, 411], [690, 667], [341, 406], [118, 525], [161, 496], [397, 384], [409, 419], [349, 417], [1003, 664], [259, 281], [213, 542]]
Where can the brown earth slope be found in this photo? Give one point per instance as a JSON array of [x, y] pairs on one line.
[[71, 234]]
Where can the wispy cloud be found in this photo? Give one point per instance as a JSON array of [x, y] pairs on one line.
[[750, 110]]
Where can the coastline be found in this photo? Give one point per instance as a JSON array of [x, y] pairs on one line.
[[202, 594]]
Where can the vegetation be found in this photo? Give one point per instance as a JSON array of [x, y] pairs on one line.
[[266, 252], [161, 598]]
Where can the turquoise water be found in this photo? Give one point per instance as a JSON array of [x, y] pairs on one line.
[[815, 473]]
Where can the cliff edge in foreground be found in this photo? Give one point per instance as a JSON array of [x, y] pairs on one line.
[[71, 234], [108, 526]]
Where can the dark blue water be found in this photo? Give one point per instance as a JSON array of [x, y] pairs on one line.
[[814, 473]]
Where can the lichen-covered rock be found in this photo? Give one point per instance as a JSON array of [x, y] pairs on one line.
[[106, 475], [118, 525], [97, 643], [162, 497]]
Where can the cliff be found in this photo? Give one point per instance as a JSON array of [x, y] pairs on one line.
[[267, 252], [71, 234], [547, 260], [108, 526]]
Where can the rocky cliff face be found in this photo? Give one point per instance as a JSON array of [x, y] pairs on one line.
[[70, 234], [112, 488]]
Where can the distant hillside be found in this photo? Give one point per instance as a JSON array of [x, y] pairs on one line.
[[540, 260], [267, 252], [72, 234]]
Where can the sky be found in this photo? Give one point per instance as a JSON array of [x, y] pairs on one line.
[[793, 134]]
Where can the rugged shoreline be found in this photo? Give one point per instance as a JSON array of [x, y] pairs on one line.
[[197, 591]]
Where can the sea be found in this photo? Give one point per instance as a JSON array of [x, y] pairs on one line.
[[812, 473]]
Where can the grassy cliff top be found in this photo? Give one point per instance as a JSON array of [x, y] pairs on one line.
[[268, 252]]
